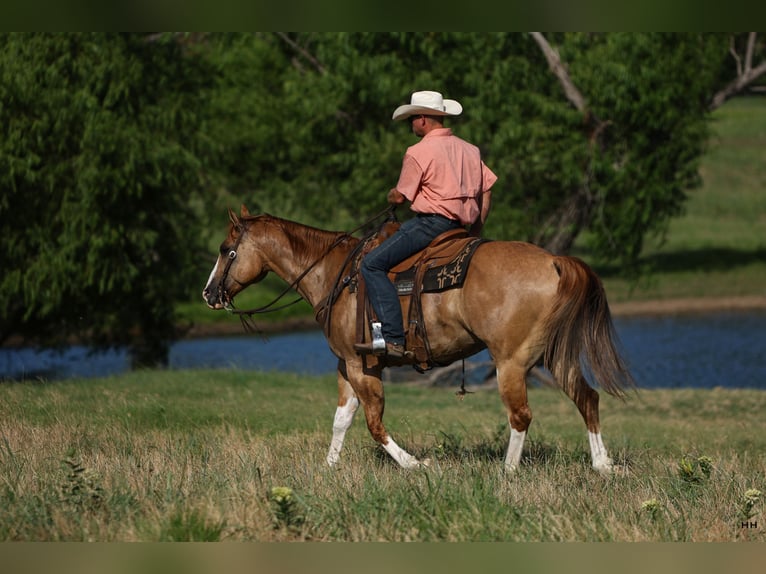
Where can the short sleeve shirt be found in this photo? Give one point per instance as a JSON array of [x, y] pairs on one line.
[[444, 174]]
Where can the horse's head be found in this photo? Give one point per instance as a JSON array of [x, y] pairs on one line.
[[239, 263]]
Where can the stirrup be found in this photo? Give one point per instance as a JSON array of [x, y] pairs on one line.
[[390, 350]]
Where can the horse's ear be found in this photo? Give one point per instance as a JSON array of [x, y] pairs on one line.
[[233, 217], [243, 211]]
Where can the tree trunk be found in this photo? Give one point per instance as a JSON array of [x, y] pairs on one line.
[[559, 234], [575, 214]]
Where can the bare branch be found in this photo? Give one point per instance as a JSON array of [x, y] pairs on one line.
[[574, 214], [303, 52], [560, 71], [733, 52], [749, 54], [745, 75]]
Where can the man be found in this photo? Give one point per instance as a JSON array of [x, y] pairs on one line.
[[448, 186]]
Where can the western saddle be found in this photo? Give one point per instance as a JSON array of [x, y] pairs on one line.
[[440, 266]]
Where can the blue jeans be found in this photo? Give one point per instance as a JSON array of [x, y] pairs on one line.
[[413, 236]]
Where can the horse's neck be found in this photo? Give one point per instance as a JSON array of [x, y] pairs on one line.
[[300, 248]]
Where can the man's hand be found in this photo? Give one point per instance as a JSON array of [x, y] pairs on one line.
[[395, 198]]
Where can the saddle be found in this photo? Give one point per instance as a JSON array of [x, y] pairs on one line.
[[442, 265]]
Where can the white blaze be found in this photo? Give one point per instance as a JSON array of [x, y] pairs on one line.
[[212, 274]]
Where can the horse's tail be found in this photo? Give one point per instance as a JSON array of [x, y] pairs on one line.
[[581, 335]]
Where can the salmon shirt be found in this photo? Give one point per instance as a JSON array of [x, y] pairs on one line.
[[444, 174]]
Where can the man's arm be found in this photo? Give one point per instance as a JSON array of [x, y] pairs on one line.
[[485, 204], [395, 197]]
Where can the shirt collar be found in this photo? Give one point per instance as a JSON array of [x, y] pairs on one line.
[[439, 132]]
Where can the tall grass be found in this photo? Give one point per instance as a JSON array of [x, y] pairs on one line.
[[228, 455]]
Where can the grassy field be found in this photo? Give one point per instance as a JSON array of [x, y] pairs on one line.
[[171, 456], [197, 456]]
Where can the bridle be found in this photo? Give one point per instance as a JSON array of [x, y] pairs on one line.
[[222, 295], [246, 315]]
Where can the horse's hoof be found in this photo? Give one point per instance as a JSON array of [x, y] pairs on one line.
[[604, 466]]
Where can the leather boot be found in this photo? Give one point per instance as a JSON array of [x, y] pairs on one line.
[[392, 350]]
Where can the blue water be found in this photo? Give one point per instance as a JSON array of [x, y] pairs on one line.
[[699, 351]]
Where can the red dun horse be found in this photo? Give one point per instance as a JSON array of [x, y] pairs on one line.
[[523, 304]]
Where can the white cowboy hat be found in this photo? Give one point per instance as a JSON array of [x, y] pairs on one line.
[[429, 104]]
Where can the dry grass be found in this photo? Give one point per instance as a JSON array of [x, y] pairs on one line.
[[74, 467]]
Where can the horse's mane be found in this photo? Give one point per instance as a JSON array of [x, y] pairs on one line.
[[306, 242]]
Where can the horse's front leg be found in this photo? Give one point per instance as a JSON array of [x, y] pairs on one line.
[[369, 389], [344, 414]]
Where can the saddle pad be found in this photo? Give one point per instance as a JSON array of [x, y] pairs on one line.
[[440, 277]]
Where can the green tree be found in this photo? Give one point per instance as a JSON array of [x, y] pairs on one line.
[[300, 124], [612, 154], [99, 167], [121, 152], [642, 104]]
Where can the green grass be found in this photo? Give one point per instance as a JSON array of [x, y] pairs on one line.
[[170, 456]]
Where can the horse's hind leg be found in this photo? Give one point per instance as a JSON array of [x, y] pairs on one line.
[[586, 399], [344, 414], [511, 382]]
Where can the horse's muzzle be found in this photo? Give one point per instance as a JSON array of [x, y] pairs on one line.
[[213, 298]]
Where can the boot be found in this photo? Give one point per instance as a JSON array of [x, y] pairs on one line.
[[392, 350]]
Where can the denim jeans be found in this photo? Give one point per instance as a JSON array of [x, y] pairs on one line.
[[413, 236]]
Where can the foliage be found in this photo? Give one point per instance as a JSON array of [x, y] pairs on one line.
[[693, 471], [80, 492], [657, 130], [121, 152], [98, 158], [285, 507], [322, 109], [717, 247], [749, 502]]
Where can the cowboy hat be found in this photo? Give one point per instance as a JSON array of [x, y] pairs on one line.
[[429, 104]]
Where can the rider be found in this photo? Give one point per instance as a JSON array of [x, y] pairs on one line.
[[448, 185]]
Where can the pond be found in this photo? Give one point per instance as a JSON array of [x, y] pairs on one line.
[[694, 351]]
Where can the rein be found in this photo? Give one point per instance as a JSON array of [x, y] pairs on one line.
[[246, 315]]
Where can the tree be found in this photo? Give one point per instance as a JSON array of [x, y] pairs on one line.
[[300, 126], [613, 154], [646, 126], [121, 152], [99, 159], [748, 52]]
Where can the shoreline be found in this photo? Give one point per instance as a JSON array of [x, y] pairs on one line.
[[648, 308], [689, 305], [656, 307]]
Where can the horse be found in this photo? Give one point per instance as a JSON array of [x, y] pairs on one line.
[[527, 306]]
